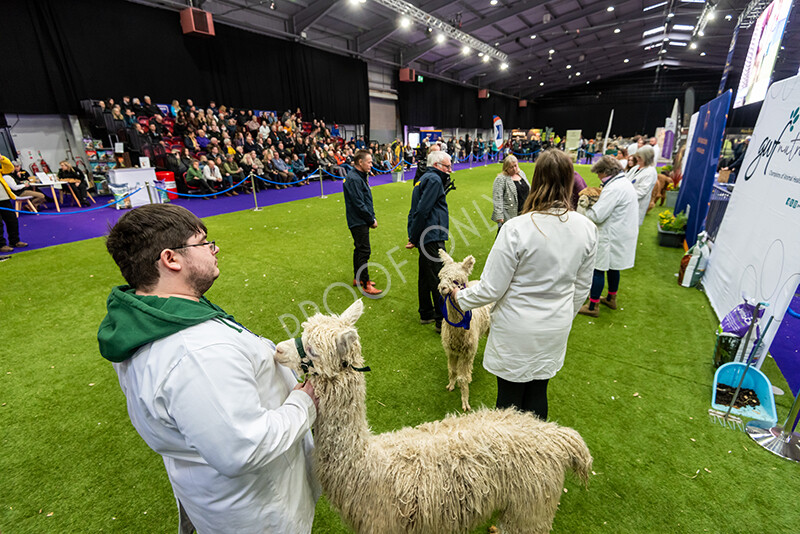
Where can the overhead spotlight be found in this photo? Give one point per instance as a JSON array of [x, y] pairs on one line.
[[728, 17], [493, 3], [662, 51], [440, 38], [693, 46], [497, 44], [480, 54], [485, 59], [610, 9], [529, 77], [670, 15], [533, 36], [569, 67], [541, 84], [617, 30], [701, 33], [466, 50], [551, 51], [626, 60], [587, 83], [405, 22], [712, 15], [577, 74], [702, 53], [503, 66]]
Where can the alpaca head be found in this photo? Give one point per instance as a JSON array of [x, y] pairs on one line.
[[330, 343], [454, 274]]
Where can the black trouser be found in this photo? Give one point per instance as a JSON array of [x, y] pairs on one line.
[[526, 396], [361, 253], [598, 281], [11, 222], [430, 301]]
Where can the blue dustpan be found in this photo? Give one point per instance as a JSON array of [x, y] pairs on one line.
[[730, 374]]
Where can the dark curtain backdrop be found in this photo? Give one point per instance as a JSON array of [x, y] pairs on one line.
[[640, 104], [58, 52]]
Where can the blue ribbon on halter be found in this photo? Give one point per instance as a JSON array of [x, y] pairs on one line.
[[466, 317]]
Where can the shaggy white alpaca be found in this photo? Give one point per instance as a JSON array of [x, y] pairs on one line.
[[460, 344], [440, 477]]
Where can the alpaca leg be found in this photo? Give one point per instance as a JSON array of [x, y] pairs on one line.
[[452, 369], [463, 385], [528, 520]]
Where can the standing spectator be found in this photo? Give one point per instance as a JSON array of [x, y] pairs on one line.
[[360, 218], [656, 149], [538, 274], [644, 179], [205, 393], [509, 192], [422, 166], [615, 213], [578, 185], [9, 218], [428, 226]]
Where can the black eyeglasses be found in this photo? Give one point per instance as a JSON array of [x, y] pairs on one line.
[[212, 243]]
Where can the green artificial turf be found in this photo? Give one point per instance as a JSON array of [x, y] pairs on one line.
[[636, 383]]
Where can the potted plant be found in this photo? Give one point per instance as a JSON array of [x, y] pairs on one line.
[[671, 229], [672, 195]]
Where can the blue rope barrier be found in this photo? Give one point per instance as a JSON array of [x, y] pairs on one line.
[[79, 211], [286, 183], [793, 313], [201, 196]]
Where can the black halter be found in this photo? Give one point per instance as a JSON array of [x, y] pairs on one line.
[[306, 363]]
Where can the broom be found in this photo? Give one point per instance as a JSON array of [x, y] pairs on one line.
[[726, 419]]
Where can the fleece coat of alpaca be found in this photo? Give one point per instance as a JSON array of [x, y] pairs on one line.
[[460, 344], [440, 477]]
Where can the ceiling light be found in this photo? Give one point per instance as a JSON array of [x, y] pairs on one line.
[[662, 51], [480, 54], [728, 17], [541, 84], [529, 77], [711, 15], [440, 38], [533, 36], [678, 43], [466, 50], [654, 6], [587, 83], [701, 33], [610, 9], [653, 31], [552, 51], [670, 15], [693, 46], [569, 67], [405, 22], [625, 60], [617, 30], [485, 58], [503, 66], [683, 27], [577, 74], [493, 2], [702, 53]]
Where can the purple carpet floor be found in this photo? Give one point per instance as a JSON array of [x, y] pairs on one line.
[[77, 224]]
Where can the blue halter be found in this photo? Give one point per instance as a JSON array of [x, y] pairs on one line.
[[466, 317]]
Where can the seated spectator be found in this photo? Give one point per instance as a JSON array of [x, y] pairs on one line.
[[298, 168], [252, 125], [126, 104], [214, 133], [227, 147], [213, 107], [189, 106], [174, 109], [136, 106], [175, 164], [67, 173], [270, 172], [190, 141], [180, 126], [202, 140], [283, 170], [149, 109], [238, 139], [195, 179], [211, 118], [231, 170], [116, 113], [249, 144], [333, 167], [18, 182], [153, 137], [239, 154], [130, 118], [214, 152], [158, 121], [213, 176]]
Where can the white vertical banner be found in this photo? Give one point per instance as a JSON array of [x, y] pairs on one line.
[[757, 249], [608, 131]]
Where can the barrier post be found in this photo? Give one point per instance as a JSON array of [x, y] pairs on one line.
[[149, 193], [321, 192], [253, 187]]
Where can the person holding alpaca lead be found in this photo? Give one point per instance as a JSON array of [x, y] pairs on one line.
[[233, 428], [616, 214]]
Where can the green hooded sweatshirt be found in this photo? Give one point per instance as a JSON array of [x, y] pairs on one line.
[[135, 320]]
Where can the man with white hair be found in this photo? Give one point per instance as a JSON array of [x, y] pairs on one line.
[[428, 227]]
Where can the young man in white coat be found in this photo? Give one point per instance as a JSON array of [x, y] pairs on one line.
[[204, 392], [616, 214]]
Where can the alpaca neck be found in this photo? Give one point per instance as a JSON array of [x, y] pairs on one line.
[[453, 314], [341, 432]]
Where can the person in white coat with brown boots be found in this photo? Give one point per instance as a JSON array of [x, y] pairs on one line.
[[615, 213], [538, 274], [644, 178]]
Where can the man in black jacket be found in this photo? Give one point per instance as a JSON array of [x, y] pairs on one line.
[[360, 218], [428, 226]]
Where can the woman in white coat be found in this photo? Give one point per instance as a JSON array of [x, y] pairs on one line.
[[538, 274], [644, 178], [509, 192], [615, 213]]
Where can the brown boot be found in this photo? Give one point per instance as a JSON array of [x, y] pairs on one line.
[[591, 313], [610, 301], [371, 290]]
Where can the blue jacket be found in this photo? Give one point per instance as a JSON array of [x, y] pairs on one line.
[[429, 208], [358, 199]]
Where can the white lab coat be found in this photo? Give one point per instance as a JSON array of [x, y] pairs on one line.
[[632, 148], [234, 438], [644, 180], [538, 278], [616, 213]]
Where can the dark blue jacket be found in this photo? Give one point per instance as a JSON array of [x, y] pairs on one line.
[[358, 199], [429, 208]]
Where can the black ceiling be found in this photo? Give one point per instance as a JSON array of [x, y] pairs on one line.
[[591, 39]]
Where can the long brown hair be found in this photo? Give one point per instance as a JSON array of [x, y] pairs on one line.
[[551, 186]]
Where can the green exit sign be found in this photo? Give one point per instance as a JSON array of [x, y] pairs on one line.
[[420, 79]]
